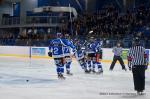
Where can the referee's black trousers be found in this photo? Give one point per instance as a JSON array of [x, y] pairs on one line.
[[115, 60], [139, 77]]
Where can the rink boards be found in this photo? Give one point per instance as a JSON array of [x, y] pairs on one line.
[[41, 52]]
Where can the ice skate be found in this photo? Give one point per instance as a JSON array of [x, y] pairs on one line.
[[87, 71], [60, 76], [140, 93], [124, 69], [69, 73], [100, 72], [93, 71]]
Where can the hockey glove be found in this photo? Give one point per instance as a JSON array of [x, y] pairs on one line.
[[50, 54]]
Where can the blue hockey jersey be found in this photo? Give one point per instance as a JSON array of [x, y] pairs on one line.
[[92, 47], [80, 54], [67, 49], [57, 47]]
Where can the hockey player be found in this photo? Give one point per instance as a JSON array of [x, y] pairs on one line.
[[56, 51], [98, 51], [93, 56], [80, 56], [67, 54]]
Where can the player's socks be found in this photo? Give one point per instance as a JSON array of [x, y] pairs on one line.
[[84, 67], [60, 71], [93, 70], [100, 69], [89, 66], [68, 68]]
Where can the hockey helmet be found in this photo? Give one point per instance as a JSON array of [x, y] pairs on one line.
[[59, 35]]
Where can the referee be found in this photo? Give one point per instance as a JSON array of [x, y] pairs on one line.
[[137, 62], [117, 56]]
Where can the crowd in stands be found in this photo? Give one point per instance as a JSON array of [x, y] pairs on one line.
[[7, 35], [108, 24], [111, 24]]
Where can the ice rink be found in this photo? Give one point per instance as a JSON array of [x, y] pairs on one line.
[[22, 78]]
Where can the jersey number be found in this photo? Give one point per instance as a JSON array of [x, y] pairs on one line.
[[66, 50], [55, 50]]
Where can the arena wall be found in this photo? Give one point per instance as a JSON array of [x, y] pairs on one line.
[[41, 52]]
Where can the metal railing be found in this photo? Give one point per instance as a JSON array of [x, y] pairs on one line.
[[45, 19], [10, 20], [34, 19]]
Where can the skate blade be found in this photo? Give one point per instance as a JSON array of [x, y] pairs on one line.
[[70, 74], [62, 78]]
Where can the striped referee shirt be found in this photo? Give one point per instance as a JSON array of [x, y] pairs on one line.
[[137, 55]]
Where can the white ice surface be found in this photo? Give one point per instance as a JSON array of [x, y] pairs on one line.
[[43, 82]]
